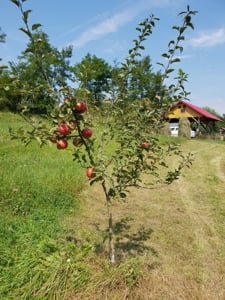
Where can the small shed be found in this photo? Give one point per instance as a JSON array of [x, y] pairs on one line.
[[198, 117]]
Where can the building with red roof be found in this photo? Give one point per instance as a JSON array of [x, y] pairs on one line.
[[198, 117]]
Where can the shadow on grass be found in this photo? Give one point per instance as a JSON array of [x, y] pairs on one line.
[[128, 241]]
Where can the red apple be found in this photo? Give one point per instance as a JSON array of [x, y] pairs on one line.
[[81, 107], [144, 145], [86, 133], [77, 142], [62, 144], [63, 129], [90, 172]]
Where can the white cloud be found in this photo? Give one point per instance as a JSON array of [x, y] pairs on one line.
[[209, 39], [117, 20], [107, 26]]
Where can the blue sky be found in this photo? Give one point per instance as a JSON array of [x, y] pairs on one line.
[[107, 28]]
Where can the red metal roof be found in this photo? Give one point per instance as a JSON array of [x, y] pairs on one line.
[[199, 110]]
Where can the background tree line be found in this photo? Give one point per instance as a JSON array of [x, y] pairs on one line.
[[51, 67], [26, 83]]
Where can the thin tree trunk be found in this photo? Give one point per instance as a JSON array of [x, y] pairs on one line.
[[110, 224], [111, 242]]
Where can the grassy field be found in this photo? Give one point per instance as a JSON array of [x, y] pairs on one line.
[[39, 189], [170, 243]]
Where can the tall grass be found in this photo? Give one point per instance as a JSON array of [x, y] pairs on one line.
[[39, 189]]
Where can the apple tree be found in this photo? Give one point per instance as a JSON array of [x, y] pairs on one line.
[[131, 128]]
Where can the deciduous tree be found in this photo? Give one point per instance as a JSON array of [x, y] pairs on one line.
[[143, 82], [94, 74], [43, 70]]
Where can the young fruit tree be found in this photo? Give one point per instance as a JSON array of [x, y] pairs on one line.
[[126, 152]]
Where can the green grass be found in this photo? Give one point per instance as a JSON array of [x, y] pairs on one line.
[[170, 242], [39, 189]]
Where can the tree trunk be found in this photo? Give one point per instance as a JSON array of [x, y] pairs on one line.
[[110, 237], [111, 243]]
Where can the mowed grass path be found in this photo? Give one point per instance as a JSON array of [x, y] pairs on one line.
[[177, 231]]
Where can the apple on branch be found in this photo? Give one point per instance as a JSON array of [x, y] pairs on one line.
[[62, 144], [90, 172], [81, 107], [63, 129], [86, 133]]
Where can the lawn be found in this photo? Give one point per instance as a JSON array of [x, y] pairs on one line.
[[170, 242]]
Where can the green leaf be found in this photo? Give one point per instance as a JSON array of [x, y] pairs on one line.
[[171, 43], [142, 23], [35, 26], [15, 2], [182, 29], [191, 25], [165, 55], [161, 64], [169, 71], [111, 192], [25, 31], [175, 60], [188, 19], [181, 13], [180, 48], [172, 86], [181, 38], [176, 28], [123, 195], [26, 14], [152, 23]]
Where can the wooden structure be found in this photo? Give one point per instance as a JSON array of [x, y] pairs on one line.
[[199, 118]]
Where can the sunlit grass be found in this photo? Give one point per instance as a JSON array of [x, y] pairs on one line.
[[39, 188]]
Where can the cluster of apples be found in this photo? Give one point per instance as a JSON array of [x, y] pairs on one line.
[[65, 129], [68, 130]]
